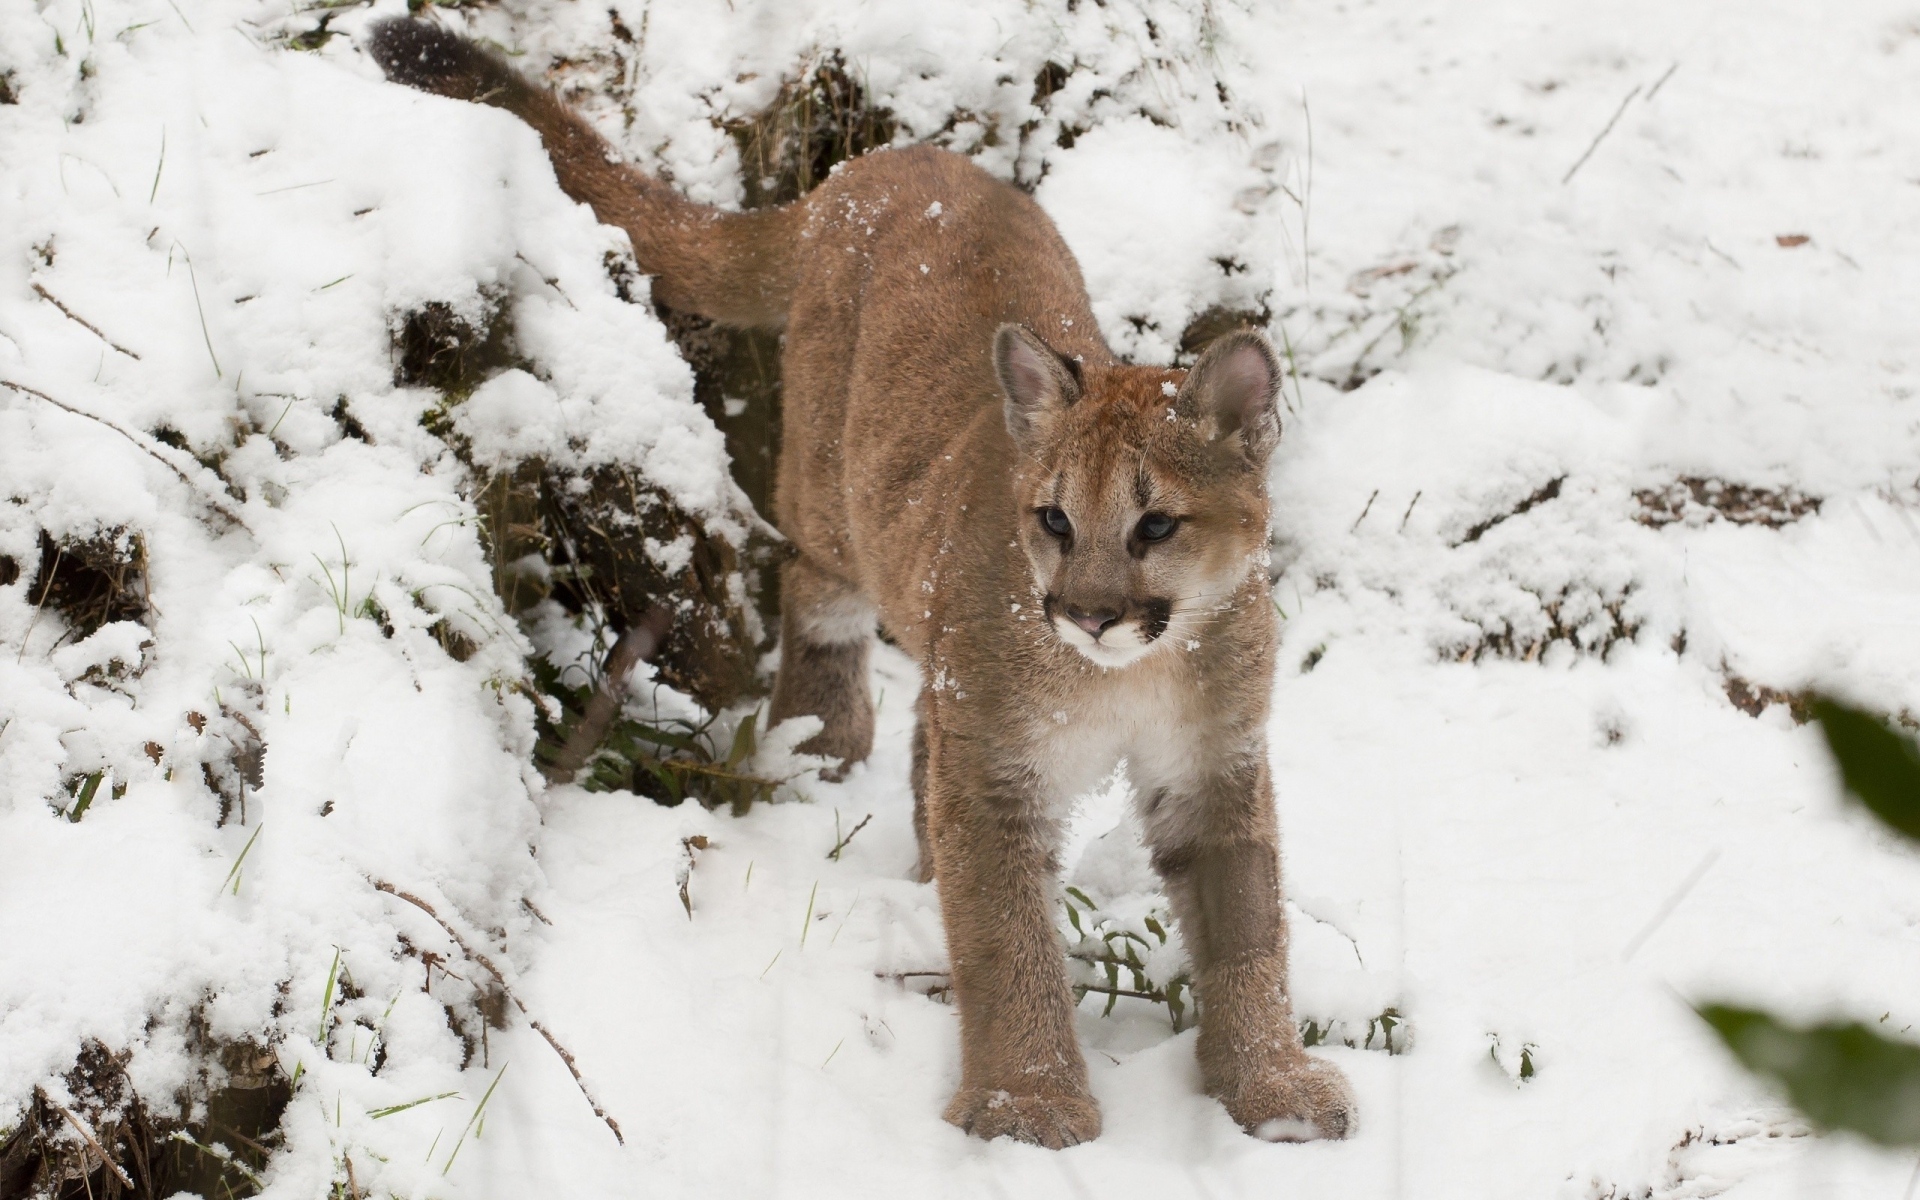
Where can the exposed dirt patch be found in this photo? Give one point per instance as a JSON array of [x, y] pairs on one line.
[[1755, 698], [435, 347], [1590, 623], [583, 538], [1698, 501], [1215, 323], [820, 119], [91, 581], [106, 1141]]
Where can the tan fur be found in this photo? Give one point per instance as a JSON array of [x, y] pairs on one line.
[[944, 382]]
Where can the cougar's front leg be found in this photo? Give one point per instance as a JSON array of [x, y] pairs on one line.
[[825, 628], [1021, 1073], [1216, 846]]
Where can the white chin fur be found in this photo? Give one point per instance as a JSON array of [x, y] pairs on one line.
[[1119, 646]]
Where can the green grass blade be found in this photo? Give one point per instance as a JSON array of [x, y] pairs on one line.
[[233, 876], [87, 789], [326, 1000], [378, 1113], [473, 1120]]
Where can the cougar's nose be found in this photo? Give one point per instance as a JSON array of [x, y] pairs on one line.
[[1095, 622]]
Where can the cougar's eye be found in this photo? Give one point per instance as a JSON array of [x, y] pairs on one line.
[[1055, 522], [1156, 527]]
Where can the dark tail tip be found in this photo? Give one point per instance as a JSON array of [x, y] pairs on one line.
[[432, 59]]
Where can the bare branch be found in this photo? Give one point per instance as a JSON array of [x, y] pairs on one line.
[[637, 645], [476, 956], [144, 443], [81, 321]]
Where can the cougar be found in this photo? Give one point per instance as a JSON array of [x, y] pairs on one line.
[[1073, 549]]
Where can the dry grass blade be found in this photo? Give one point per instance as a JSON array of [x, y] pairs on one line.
[[477, 957]]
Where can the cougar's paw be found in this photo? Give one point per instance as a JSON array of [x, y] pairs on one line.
[[1300, 1102], [1054, 1121]]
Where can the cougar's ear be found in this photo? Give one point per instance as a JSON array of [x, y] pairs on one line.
[[1035, 379], [1234, 390]]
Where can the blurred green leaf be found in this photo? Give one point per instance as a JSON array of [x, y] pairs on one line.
[[1880, 767], [1844, 1076], [744, 741]]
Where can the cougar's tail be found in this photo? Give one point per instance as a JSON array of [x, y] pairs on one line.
[[735, 268]]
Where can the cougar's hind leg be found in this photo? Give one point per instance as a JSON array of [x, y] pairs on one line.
[[825, 628], [923, 871]]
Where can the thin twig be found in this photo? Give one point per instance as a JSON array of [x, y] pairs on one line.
[[484, 961], [637, 645], [840, 845], [1662, 81], [80, 1128], [81, 321], [142, 442], [1605, 130], [552, 281], [243, 1139]]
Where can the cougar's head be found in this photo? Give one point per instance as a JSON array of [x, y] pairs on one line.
[[1142, 490]]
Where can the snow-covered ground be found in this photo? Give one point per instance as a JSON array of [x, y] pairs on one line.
[[1543, 507]]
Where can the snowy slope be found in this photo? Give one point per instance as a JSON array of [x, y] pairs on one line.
[[1520, 809]]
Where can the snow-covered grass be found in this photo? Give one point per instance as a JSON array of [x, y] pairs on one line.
[[1522, 811]]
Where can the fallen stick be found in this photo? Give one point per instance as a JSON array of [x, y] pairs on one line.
[[484, 961], [637, 645]]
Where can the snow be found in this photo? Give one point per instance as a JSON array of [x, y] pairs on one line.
[[1518, 808]]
